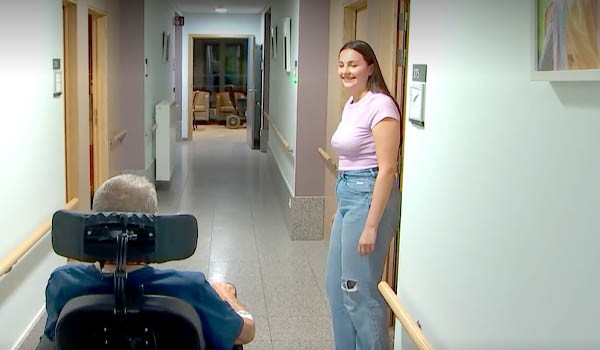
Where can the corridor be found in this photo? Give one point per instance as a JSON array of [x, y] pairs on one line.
[[243, 239]]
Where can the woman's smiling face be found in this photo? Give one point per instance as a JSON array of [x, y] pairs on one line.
[[354, 70]]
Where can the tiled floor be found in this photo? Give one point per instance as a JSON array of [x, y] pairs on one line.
[[243, 239]]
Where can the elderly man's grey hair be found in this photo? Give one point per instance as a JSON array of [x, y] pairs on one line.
[[126, 193]]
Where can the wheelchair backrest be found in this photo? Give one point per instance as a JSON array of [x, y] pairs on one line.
[[125, 320], [159, 322]]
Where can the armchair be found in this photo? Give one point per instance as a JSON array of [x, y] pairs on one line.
[[225, 105], [200, 106]]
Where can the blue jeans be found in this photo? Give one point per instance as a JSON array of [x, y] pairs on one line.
[[357, 308]]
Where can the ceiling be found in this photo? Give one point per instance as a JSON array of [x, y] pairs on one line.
[[233, 6]]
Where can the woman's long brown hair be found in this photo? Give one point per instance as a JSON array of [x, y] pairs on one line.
[[375, 83]]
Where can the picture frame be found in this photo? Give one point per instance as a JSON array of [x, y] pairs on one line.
[[166, 46], [565, 40], [274, 42], [287, 47]]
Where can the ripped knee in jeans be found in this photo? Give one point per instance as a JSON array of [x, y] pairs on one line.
[[349, 285]]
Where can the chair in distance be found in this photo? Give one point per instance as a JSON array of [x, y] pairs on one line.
[[200, 107], [227, 108]]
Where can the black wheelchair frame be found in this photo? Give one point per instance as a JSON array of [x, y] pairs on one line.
[[127, 319]]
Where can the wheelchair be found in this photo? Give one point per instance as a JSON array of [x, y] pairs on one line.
[[128, 318]]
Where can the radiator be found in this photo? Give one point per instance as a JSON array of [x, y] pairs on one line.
[[166, 143]]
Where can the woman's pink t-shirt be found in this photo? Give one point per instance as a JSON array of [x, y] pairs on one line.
[[353, 138]]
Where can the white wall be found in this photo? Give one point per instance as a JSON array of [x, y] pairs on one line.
[[283, 101], [158, 18], [209, 24], [499, 233], [27, 77], [32, 183]]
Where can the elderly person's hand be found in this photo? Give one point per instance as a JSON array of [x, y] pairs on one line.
[[225, 290]]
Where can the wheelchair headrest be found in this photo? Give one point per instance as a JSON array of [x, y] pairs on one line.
[[152, 238]]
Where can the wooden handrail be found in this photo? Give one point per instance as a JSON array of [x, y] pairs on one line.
[[118, 138], [12, 258], [411, 327], [282, 140], [327, 157], [280, 137]]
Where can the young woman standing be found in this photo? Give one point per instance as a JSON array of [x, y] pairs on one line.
[[367, 140]]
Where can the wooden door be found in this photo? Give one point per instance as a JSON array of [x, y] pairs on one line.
[[98, 126], [70, 100]]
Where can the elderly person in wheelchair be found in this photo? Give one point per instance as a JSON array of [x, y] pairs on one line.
[[119, 302]]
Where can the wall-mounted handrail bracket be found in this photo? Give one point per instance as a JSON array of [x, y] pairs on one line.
[[118, 137]]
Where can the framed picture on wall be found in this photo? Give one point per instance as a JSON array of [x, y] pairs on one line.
[[287, 48], [166, 46], [274, 42], [566, 40]]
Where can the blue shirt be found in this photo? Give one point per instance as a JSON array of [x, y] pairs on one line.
[[220, 323]]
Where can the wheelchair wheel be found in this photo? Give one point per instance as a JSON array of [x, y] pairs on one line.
[[233, 121]]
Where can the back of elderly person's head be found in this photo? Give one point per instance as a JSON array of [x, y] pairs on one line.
[[126, 193]]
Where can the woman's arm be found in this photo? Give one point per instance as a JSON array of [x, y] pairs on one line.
[[386, 134]]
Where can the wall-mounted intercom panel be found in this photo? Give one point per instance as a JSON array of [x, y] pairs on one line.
[[57, 80], [416, 95]]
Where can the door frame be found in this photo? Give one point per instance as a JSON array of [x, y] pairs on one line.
[[178, 76], [399, 92], [99, 104], [250, 91], [70, 100], [266, 76]]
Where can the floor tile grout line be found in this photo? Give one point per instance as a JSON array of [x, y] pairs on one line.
[[191, 163], [262, 282]]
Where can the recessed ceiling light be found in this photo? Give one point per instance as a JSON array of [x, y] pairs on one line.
[[220, 9]]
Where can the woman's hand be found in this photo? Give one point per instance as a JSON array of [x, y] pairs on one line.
[[366, 243]]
